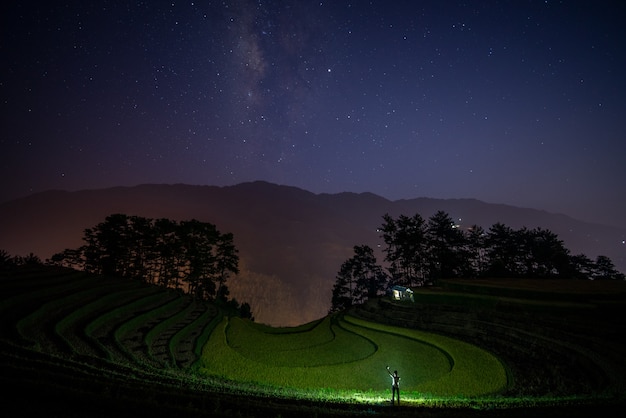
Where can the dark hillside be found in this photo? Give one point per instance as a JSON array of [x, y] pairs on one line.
[[553, 343], [80, 345]]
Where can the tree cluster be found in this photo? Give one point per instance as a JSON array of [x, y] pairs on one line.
[[8, 262], [418, 250], [359, 279], [189, 255]]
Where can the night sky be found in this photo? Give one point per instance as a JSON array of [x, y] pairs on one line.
[[516, 102]]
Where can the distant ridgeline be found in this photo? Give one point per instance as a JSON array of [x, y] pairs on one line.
[[190, 255], [418, 251]]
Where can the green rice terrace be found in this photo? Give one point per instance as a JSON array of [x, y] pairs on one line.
[[75, 344]]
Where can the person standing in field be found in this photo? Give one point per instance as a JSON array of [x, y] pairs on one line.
[[395, 385]]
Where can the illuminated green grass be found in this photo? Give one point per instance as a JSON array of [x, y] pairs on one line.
[[472, 371], [349, 354], [324, 344], [112, 333]]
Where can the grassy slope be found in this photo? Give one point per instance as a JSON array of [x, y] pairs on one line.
[[346, 354], [558, 345], [554, 343]]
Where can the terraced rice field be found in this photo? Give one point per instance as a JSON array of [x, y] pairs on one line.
[[122, 322], [466, 345], [348, 354]]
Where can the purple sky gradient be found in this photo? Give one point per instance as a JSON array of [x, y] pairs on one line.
[[517, 102]]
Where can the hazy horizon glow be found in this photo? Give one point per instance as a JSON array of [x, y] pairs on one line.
[[508, 102]]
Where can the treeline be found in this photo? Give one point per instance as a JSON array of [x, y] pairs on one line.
[[189, 255], [418, 250], [9, 262]]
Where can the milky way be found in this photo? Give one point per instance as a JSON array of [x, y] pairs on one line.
[[508, 102]]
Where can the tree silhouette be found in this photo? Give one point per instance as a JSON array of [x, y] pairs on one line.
[[475, 251], [168, 259], [605, 269], [414, 249], [190, 255], [502, 251], [582, 266], [358, 280], [545, 254], [448, 255], [6, 261], [406, 248], [197, 241], [226, 259], [342, 295]]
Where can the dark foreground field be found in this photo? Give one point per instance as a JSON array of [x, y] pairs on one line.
[[74, 345]]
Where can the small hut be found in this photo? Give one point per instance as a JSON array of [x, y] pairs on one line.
[[401, 293]]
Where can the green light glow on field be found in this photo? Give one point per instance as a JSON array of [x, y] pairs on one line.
[[338, 360], [348, 357]]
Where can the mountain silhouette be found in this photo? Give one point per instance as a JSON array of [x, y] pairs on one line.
[[291, 242]]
